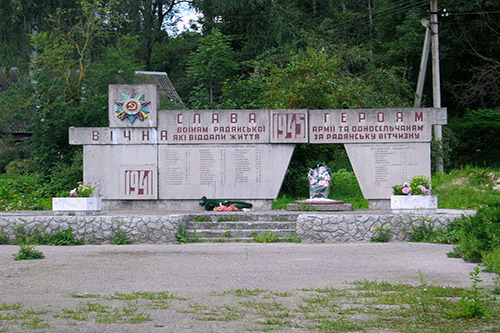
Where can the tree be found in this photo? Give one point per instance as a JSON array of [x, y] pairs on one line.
[[170, 56], [147, 19], [209, 66]]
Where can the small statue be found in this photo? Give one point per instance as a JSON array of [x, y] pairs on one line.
[[319, 181]]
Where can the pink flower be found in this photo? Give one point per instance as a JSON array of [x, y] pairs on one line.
[[426, 191], [327, 177], [72, 193], [405, 190], [406, 184], [311, 181]]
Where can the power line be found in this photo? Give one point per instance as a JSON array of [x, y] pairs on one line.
[[382, 12]]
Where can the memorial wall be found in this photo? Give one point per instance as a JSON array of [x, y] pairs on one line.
[[151, 154]]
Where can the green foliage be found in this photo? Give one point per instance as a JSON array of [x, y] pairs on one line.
[[465, 188], [23, 192], [9, 150], [35, 237], [492, 260], [4, 238], [266, 237], [60, 237], [209, 66], [120, 238], [382, 235], [171, 55], [476, 140], [316, 79], [472, 306], [282, 202], [478, 234], [426, 232], [345, 187], [28, 252]]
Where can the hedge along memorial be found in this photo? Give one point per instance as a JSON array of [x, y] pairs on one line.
[[181, 155]]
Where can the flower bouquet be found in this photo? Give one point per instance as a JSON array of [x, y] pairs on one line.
[[79, 201], [413, 197], [83, 190]]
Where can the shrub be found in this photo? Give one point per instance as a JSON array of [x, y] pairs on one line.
[[478, 234], [28, 252], [23, 192], [492, 260]]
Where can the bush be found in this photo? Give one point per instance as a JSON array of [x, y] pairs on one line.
[[28, 252], [476, 142], [35, 237], [492, 260], [478, 234], [23, 192], [9, 151]]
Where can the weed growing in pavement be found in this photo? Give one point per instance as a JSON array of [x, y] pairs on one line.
[[473, 305], [306, 208], [294, 238], [267, 237], [28, 252], [382, 235], [360, 306], [203, 219], [230, 218], [120, 238]]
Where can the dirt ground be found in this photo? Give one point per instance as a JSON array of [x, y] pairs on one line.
[[173, 285]]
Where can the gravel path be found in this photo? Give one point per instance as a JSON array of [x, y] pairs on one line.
[[196, 270]]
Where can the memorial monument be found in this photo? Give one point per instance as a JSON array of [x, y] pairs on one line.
[[168, 159]]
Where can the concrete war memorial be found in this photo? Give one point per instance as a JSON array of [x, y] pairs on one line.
[[151, 167]]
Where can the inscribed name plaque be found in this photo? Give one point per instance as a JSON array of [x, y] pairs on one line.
[[390, 164], [222, 171], [122, 171]]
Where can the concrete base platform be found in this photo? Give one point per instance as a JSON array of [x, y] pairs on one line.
[[317, 204], [162, 227]]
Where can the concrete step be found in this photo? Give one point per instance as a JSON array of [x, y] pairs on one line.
[[272, 216], [241, 227], [218, 233], [236, 225]]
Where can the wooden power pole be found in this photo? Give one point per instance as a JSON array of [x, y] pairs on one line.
[[436, 81]]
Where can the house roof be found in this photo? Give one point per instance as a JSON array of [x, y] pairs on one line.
[[9, 79], [164, 84]]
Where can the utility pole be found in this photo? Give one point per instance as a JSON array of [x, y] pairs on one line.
[[436, 81], [423, 63]]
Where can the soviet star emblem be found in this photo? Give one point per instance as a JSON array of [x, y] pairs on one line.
[[132, 106]]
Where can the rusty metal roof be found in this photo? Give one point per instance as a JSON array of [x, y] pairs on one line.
[[164, 84]]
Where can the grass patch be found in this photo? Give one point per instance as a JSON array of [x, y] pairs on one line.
[[466, 188], [360, 306], [267, 237]]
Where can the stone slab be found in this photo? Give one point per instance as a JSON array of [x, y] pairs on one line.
[[380, 166], [133, 99], [289, 126], [112, 136], [122, 171], [319, 207], [222, 171], [374, 125], [214, 126]]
